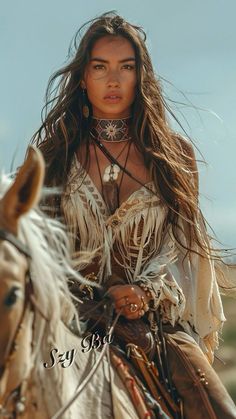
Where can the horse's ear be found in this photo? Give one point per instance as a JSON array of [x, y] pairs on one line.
[[24, 193]]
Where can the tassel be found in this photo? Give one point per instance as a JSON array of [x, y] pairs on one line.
[[110, 191]]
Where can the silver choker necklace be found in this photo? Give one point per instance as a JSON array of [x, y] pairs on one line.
[[111, 130]]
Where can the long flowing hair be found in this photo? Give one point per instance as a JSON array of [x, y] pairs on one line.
[[168, 156]]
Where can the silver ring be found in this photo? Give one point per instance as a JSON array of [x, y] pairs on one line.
[[133, 308]]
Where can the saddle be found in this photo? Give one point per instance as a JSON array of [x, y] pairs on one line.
[[163, 363], [98, 318]]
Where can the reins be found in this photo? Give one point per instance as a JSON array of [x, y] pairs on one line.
[[82, 385]]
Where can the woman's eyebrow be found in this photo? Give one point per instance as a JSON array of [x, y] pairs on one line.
[[106, 61]]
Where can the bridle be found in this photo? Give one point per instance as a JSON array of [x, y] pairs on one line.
[[9, 237], [16, 395]]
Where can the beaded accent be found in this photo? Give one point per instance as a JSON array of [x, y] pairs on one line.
[[150, 293], [138, 241], [111, 130]]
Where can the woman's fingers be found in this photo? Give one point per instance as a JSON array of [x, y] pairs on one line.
[[130, 310], [129, 300], [119, 291]]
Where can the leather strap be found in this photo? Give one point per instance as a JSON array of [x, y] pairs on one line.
[[114, 161], [5, 235]]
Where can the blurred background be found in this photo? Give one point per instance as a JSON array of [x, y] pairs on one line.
[[192, 45]]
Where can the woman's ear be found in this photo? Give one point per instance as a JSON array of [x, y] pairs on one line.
[[82, 84]]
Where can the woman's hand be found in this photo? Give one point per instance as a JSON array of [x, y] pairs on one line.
[[130, 300]]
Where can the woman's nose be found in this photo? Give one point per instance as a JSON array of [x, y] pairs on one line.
[[113, 78]]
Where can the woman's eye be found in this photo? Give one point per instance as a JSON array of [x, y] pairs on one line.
[[98, 67], [129, 67]]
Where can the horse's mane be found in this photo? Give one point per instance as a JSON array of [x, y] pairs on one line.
[[50, 263], [50, 267]]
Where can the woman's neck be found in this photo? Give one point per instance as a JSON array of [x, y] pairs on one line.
[[111, 130]]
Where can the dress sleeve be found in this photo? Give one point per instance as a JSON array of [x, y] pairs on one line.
[[185, 287], [158, 277]]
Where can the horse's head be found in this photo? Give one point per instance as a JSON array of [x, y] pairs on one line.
[[20, 197], [35, 302]]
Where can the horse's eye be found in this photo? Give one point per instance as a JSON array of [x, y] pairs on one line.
[[12, 296]]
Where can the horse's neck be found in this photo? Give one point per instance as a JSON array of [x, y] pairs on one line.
[[54, 384], [19, 364]]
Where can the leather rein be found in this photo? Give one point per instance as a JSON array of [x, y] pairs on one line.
[[9, 237]]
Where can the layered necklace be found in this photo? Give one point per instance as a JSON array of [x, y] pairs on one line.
[[111, 131]]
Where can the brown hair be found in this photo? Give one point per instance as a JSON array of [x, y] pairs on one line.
[[169, 157]]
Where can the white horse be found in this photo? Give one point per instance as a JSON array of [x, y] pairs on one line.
[[42, 364]]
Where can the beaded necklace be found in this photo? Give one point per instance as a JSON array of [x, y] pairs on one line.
[[111, 130]]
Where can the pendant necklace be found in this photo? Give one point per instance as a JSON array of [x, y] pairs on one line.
[[110, 187], [111, 173], [111, 131]]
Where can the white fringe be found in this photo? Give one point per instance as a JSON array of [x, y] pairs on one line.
[[186, 288]]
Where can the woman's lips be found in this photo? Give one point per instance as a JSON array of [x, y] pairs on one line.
[[112, 98]]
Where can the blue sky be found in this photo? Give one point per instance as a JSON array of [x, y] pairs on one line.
[[192, 44]]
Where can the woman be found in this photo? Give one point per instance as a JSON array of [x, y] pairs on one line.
[[130, 199]]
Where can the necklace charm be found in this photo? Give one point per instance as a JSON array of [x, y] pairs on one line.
[[110, 187], [111, 173]]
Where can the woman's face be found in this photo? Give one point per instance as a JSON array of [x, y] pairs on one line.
[[110, 77]]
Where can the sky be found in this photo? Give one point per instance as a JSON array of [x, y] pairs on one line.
[[192, 45]]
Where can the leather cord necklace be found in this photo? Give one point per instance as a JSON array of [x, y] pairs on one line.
[[110, 187], [114, 161], [111, 171]]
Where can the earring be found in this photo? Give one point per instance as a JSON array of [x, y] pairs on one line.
[[85, 107]]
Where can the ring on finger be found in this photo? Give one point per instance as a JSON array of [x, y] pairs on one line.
[[126, 300], [133, 307]]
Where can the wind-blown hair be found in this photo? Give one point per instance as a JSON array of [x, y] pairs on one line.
[[168, 156]]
